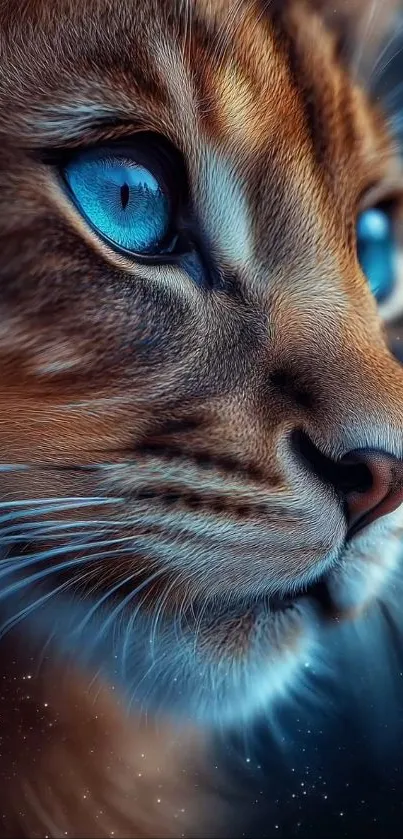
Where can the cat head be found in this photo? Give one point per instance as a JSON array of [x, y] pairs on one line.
[[200, 418]]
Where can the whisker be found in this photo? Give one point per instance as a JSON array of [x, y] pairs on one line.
[[22, 561], [123, 603], [364, 35], [144, 703], [387, 58], [105, 597], [198, 625], [13, 467], [128, 635], [61, 500], [28, 510], [57, 525], [45, 572], [54, 536], [158, 612]]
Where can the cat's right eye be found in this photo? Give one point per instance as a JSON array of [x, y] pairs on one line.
[[376, 251], [126, 198]]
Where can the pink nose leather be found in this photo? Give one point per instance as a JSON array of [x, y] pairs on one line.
[[383, 496]]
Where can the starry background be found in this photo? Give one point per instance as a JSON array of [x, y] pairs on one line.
[[332, 768], [330, 779]]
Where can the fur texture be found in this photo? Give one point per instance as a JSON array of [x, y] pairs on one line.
[[157, 498]]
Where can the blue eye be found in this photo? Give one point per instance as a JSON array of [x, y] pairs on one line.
[[376, 251], [121, 199]]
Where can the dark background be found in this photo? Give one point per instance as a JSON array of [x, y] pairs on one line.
[[334, 768]]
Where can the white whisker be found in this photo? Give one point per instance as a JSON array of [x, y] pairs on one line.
[[21, 561], [105, 597], [22, 510]]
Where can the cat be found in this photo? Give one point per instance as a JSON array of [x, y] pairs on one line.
[[201, 417]]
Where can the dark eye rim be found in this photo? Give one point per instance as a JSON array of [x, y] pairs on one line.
[[159, 159]]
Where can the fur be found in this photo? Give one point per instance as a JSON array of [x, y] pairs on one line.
[[155, 497]]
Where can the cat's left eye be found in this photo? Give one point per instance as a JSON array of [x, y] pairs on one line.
[[376, 251], [124, 196]]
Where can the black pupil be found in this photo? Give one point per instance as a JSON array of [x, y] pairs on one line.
[[124, 195]]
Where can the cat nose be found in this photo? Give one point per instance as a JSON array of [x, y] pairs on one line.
[[376, 487], [369, 482]]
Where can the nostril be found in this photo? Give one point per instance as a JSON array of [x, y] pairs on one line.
[[349, 474], [368, 482], [355, 475], [382, 496]]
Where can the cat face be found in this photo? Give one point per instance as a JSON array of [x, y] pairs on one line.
[[189, 345]]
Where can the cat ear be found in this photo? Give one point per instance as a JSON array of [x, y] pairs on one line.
[[361, 26]]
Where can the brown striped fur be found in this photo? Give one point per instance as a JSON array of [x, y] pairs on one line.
[[108, 361]]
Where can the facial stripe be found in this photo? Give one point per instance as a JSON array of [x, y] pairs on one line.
[[240, 75]]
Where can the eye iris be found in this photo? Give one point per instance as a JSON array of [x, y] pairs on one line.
[[121, 199], [375, 251]]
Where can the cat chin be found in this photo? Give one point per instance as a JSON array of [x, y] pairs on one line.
[[225, 665], [220, 671], [368, 564]]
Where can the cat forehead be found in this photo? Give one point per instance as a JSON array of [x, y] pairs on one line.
[[255, 85], [238, 46], [244, 67]]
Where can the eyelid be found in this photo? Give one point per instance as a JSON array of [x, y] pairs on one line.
[[383, 194], [148, 146], [92, 135]]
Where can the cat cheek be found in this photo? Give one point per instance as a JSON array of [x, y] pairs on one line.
[[39, 356], [31, 352], [58, 358]]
